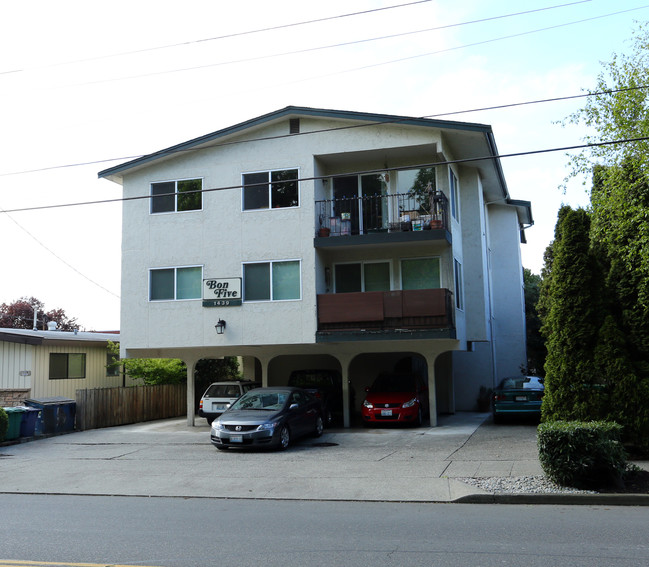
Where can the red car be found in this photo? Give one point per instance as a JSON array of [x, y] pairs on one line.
[[396, 398]]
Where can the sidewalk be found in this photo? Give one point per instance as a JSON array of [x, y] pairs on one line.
[[168, 458]]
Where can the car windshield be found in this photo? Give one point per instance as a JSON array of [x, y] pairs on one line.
[[521, 383], [271, 401], [223, 391], [393, 383]]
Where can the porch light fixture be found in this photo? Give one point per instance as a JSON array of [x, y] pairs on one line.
[[220, 327]]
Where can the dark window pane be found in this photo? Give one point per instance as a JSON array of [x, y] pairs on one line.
[[58, 366], [189, 196], [284, 192], [256, 282], [348, 278], [163, 199], [255, 191], [162, 284]]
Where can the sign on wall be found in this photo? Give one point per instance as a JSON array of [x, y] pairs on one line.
[[221, 292]]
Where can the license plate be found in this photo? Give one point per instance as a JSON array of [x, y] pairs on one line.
[[520, 398], [236, 438], [386, 412], [219, 406]]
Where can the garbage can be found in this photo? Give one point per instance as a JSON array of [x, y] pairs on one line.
[[57, 413], [28, 423], [15, 416]]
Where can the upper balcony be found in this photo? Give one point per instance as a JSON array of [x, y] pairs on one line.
[[383, 218]]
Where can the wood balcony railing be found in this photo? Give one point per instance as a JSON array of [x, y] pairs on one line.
[[386, 310]]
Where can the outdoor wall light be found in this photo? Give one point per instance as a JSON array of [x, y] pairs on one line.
[[220, 327]]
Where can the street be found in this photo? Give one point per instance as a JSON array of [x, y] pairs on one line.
[[194, 532]]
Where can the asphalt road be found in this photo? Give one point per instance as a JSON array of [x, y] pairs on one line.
[[195, 532]]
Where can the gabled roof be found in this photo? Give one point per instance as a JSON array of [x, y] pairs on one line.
[[523, 207]]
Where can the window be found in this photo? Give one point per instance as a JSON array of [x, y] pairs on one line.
[[459, 285], [420, 273], [365, 276], [175, 283], [177, 196], [455, 205], [67, 366], [270, 189], [272, 281], [112, 364]]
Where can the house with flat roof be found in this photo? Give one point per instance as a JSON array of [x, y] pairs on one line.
[[45, 364], [322, 239]]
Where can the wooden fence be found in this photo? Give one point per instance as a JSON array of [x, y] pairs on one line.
[[107, 407]]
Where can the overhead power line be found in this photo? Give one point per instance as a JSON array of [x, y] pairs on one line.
[[324, 130], [363, 172]]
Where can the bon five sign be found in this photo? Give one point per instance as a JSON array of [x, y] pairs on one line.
[[221, 292]]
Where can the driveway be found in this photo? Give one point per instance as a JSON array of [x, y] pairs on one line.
[[168, 458]]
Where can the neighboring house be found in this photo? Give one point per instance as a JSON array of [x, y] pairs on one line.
[[43, 364], [421, 271]]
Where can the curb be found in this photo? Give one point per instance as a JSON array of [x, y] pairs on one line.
[[554, 499]]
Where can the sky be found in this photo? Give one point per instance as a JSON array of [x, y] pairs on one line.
[[87, 85]]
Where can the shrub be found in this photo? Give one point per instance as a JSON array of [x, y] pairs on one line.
[[4, 423], [582, 454]]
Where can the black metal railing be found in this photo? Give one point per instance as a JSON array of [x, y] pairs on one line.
[[381, 213]]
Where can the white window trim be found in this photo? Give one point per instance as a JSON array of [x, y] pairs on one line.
[[362, 263], [175, 181], [271, 262], [269, 208], [175, 269]]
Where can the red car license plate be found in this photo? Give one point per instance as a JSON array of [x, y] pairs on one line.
[[386, 412]]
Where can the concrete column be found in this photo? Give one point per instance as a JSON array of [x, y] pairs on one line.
[[191, 389], [345, 361], [432, 397]]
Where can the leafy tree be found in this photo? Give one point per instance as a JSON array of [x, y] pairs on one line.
[[20, 315], [151, 371], [536, 351]]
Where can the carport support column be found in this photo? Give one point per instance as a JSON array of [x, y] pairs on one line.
[[432, 397], [191, 389], [264, 370], [345, 361]]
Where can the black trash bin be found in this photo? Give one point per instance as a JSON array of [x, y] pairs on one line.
[[57, 413]]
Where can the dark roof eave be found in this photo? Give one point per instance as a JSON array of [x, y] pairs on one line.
[[113, 173]]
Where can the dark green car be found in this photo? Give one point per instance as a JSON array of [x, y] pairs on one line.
[[518, 396]]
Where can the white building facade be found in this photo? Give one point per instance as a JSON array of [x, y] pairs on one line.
[[328, 239]]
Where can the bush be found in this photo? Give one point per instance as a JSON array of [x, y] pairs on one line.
[[4, 423], [582, 454]]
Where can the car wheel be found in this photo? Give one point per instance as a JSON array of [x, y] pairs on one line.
[[319, 426], [284, 438], [222, 447], [497, 418]]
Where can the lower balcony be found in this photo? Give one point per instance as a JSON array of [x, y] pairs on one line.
[[403, 314]]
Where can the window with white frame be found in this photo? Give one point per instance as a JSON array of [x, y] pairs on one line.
[[67, 366], [453, 188], [168, 284], [362, 276], [459, 285], [276, 189], [176, 196], [272, 281], [420, 273]]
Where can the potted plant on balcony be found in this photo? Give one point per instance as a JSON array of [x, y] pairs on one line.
[[422, 191], [323, 230]]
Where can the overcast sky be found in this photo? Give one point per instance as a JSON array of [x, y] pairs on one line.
[[86, 85]]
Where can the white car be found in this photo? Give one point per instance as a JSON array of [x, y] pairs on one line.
[[220, 395]]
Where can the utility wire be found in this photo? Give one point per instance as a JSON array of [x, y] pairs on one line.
[[320, 177], [226, 36], [324, 130]]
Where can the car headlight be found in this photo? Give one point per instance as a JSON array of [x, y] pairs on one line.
[[367, 404], [268, 426], [410, 403], [217, 425]]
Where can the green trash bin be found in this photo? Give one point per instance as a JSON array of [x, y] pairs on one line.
[[15, 418]]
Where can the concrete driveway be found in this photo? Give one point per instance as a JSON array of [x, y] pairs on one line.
[[168, 458]]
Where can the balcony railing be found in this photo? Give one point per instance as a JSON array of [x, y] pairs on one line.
[[382, 213], [386, 310]]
